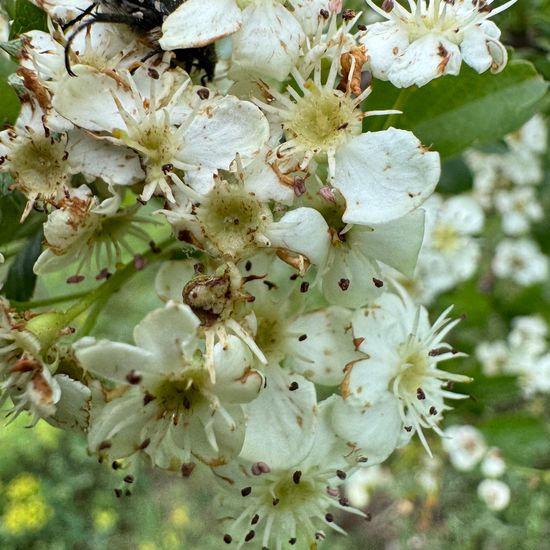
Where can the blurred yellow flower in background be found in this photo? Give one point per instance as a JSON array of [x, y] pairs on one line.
[[105, 519], [23, 486], [179, 516]]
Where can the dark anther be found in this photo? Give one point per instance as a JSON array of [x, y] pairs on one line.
[[368, 516], [269, 285], [255, 519], [329, 517], [304, 286], [115, 465], [203, 93], [362, 27], [250, 535], [227, 539], [343, 284], [133, 377], [292, 541], [248, 265], [348, 15], [103, 274], [408, 428], [433, 411], [153, 73], [420, 394], [275, 501], [324, 14], [299, 186], [302, 337], [387, 5], [293, 386], [145, 444], [341, 474], [75, 279], [343, 501], [139, 262], [319, 536], [167, 168], [187, 469], [296, 476], [104, 445], [246, 491], [147, 398], [128, 479], [259, 468], [294, 276], [154, 248], [377, 282], [363, 459], [118, 492]]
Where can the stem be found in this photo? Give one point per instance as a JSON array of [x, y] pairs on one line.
[[47, 301], [102, 293], [47, 326]]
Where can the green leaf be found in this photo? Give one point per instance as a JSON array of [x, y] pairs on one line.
[[453, 113], [21, 279], [9, 102], [12, 204], [522, 439], [26, 17]]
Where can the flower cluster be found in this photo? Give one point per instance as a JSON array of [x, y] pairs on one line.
[[239, 130]]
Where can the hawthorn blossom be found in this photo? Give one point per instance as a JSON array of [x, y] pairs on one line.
[[465, 446], [432, 39], [520, 260], [494, 493], [399, 389], [169, 397]]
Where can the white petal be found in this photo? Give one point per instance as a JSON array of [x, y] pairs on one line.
[[236, 379], [349, 281], [384, 175], [113, 360], [197, 23], [171, 278], [303, 230], [322, 356], [220, 130], [427, 58], [101, 159], [72, 409], [268, 42], [86, 100], [289, 417], [396, 243], [384, 43], [374, 430], [166, 332]]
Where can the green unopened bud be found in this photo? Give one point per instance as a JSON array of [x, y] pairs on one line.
[[47, 327]]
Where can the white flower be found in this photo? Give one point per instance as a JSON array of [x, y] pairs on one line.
[[493, 464], [450, 253], [398, 389], [494, 493], [170, 132], [432, 39], [529, 332], [365, 481], [381, 175], [520, 260], [494, 357], [168, 396], [287, 501], [465, 446], [518, 207]]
